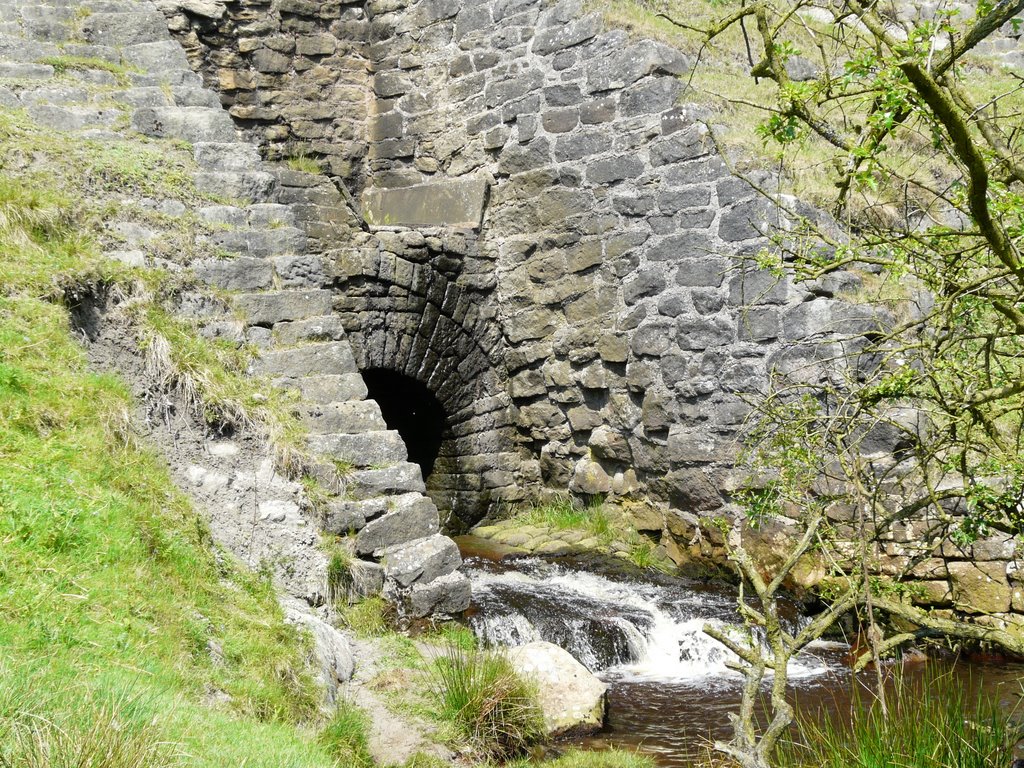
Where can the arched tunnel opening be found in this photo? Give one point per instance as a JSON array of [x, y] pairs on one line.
[[411, 409]]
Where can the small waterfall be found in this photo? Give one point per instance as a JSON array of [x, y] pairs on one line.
[[615, 625]]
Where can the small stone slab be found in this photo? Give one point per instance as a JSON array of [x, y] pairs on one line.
[[401, 478], [449, 595], [312, 359], [369, 449], [344, 516], [331, 388], [353, 417], [413, 517], [439, 204], [243, 274], [422, 560], [270, 308]]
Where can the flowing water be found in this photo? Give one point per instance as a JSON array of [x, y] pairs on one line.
[[669, 687]]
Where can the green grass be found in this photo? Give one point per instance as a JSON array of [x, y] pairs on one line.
[[345, 736], [64, 64], [565, 513], [932, 720], [370, 617], [122, 631], [578, 758], [492, 708], [304, 164]]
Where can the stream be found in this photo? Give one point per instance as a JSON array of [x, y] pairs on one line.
[[670, 690]]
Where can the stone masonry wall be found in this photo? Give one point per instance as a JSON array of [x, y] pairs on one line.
[[596, 330]]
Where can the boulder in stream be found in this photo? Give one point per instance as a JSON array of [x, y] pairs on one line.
[[573, 699]]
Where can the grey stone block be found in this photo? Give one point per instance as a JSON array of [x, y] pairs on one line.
[[326, 328], [449, 203], [223, 214], [343, 516], [352, 417], [562, 36], [422, 560], [412, 516], [72, 118], [192, 124], [242, 274], [300, 271], [157, 57], [238, 185], [332, 388], [232, 156], [368, 449], [449, 595], [401, 478], [329, 357], [124, 29], [270, 308]]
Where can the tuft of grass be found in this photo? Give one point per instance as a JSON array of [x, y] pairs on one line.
[[370, 617], [564, 513], [64, 64], [453, 634], [494, 710], [212, 376], [423, 760], [339, 574], [303, 163], [930, 720], [346, 736], [578, 758]]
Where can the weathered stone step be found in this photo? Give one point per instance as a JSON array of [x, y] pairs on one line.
[[330, 389], [271, 308], [446, 595], [401, 478], [72, 118], [344, 516], [14, 70], [252, 186], [412, 516], [125, 26], [191, 124], [240, 274], [322, 328], [348, 418], [227, 156], [154, 96], [16, 49], [366, 449], [328, 357], [258, 243], [422, 560]]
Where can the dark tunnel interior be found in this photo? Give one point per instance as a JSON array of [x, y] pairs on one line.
[[411, 409]]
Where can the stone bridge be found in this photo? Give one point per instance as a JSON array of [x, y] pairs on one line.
[[532, 247], [537, 261]]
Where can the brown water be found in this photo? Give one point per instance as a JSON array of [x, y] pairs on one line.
[[669, 691], [671, 722]]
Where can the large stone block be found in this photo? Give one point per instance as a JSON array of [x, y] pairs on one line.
[[422, 560], [368, 449], [270, 308], [405, 477], [980, 587], [448, 595], [330, 357], [412, 517], [438, 204]]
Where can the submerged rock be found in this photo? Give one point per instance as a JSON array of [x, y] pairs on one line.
[[573, 700]]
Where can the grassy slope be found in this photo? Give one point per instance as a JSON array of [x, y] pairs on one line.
[[114, 607]]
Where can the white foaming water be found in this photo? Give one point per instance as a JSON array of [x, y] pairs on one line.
[[631, 630]]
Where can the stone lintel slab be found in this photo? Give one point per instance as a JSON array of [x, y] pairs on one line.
[[458, 204]]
